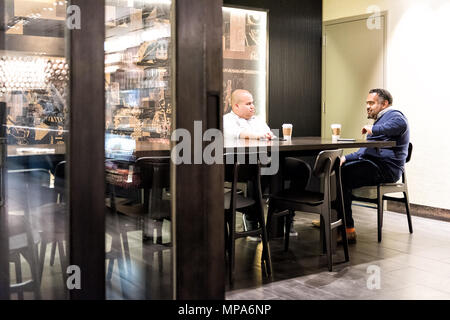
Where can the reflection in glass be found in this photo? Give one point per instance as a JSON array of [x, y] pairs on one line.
[[138, 121], [245, 56], [33, 106]]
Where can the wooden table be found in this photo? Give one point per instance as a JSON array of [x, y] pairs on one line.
[[44, 156], [297, 146], [35, 150], [304, 145]]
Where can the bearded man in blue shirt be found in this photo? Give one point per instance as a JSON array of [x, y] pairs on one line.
[[371, 166]]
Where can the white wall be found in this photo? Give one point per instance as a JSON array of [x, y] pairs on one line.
[[418, 76]]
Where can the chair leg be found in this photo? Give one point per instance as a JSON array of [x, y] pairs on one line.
[[126, 248], [322, 235], [62, 260], [225, 233], [53, 253], [231, 256], [380, 215], [345, 242], [270, 212], [110, 269], [34, 269], [266, 258], [327, 229], [159, 225], [18, 270], [408, 213], [288, 223], [42, 257]]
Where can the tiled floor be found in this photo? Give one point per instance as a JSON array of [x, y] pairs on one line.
[[410, 266]]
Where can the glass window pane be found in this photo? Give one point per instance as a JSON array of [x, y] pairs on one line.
[[245, 56], [137, 142], [34, 87]]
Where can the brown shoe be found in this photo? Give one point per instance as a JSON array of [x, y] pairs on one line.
[[316, 223], [351, 236]]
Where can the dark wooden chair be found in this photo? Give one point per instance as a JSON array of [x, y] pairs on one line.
[[296, 177], [387, 188], [23, 239], [243, 171], [291, 199], [51, 219], [146, 208]]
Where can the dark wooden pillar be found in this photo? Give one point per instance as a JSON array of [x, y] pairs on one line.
[[86, 150], [4, 232], [4, 238], [199, 216]]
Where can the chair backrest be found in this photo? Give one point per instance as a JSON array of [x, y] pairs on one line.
[[320, 166], [247, 165], [149, 165], [328, 166], [28, 187], [27, 190], [60, 176], [298, 172], [410, 148]]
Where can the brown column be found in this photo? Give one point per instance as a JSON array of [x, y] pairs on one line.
[[86, 150], [199, 215]]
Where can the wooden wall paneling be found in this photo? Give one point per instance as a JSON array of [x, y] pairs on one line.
[[295, 62], [4, 232], [4, 237], [200, 270], [86, 150]]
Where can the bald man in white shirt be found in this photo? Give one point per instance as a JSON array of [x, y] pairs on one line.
[[241, 122]]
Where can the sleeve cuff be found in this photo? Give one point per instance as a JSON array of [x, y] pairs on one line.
[[376, 130], [351, 156]]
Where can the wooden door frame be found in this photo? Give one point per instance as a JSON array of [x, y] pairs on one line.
[[86, 154], [4, 232], [198, 215], [199, 211]]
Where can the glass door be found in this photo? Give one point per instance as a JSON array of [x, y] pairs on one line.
[[138, 124], [34, 108], [101, 210]]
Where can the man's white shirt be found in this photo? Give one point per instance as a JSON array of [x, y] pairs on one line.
[[233, 125]]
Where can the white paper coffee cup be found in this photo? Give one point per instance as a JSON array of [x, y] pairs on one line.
[[335, 131]]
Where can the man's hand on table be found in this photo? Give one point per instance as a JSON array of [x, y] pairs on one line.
[[367, 129]]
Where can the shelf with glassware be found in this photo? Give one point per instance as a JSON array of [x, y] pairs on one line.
[[34, 89], [138, 93], [137, 71]]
